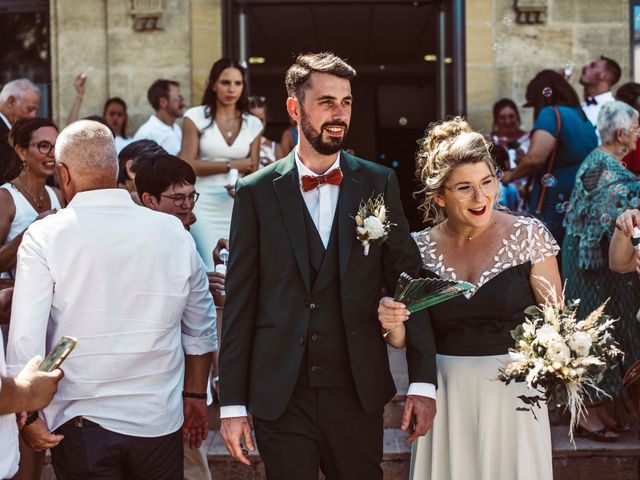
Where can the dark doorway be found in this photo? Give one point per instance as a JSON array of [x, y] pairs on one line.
[[403, 52], [24, 46]]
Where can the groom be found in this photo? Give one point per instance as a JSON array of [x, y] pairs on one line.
[[302, 348]]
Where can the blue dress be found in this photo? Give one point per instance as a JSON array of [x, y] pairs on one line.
[[577, 139]]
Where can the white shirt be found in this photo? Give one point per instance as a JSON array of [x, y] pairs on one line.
[[128, 283], [10, 455], [5, 120], [321, 203], [122, 142], [168, 137], [592, 111]]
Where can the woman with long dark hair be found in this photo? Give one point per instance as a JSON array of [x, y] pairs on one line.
[[220, 139], [26, 197], [115, 113], [553, 99]]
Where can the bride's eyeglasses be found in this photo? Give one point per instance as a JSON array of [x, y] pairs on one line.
[[467, 191]]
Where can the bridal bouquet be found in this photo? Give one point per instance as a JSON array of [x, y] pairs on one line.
[[556, 350]]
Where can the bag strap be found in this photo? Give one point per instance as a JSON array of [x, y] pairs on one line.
[[551, 160]]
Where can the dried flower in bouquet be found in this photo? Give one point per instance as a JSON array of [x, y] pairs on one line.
[[556, 350]]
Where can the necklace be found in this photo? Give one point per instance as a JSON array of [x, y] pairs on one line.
[[227, 124], [37, 202]]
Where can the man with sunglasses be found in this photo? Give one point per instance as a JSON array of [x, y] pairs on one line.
[[168, 104]]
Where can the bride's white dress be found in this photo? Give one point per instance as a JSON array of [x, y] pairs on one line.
[[477, 433]]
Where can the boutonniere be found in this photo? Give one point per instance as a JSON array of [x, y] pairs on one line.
[[371, 222]]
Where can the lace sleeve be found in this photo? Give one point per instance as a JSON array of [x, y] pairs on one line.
[[541, 242]]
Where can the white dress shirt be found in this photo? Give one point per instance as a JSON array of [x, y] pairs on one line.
[[168, 137], [5, 120], [321, 203], [128, 283], [592, 111], [10, 455]]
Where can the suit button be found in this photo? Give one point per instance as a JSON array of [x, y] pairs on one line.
[[300, 340], [312, 306], [315, 368], [314, 337]]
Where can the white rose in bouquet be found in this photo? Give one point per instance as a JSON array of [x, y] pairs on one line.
[[374, 227], [580, 343], [547, 335], [558, 352]]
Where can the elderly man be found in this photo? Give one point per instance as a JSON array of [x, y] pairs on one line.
[[168, 104], [128, 283], [18, 99]]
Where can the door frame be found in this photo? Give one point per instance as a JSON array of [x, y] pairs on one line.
[[230, 30]]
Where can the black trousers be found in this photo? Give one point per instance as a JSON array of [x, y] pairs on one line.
[[89, 452], [322, 428]]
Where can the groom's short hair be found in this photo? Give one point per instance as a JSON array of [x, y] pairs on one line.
[[300, 72]]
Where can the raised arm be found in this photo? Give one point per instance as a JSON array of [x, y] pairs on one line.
[[622, 256]]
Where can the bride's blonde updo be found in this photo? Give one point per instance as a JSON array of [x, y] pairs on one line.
[[446, 146]]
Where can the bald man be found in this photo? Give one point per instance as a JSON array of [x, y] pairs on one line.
[[128, 283]]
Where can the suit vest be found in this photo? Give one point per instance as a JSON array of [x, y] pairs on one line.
[[326, 358]]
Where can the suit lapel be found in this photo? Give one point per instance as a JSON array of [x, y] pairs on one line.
[[290, 200], [350, 197]]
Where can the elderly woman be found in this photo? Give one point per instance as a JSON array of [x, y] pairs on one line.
[[604, 188], [477, 432]]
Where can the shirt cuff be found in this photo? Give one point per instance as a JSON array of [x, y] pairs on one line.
[[199, 345], [422, 390], [233, 411]]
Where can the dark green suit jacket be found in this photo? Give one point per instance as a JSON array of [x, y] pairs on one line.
[[266, 313]]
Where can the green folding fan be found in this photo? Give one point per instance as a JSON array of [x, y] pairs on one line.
[[420, 293]]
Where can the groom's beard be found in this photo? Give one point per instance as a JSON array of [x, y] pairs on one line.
[[324, 147]]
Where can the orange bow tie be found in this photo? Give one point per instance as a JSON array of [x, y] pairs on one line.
[[332, 177]]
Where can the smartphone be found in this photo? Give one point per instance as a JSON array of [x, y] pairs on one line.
[[56, 356]]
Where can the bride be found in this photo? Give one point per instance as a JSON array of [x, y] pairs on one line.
[[477, 434]]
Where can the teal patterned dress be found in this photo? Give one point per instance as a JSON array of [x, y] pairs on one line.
[[603, 190]]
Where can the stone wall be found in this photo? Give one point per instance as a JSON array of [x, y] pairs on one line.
[[503, 56], [97, 37]]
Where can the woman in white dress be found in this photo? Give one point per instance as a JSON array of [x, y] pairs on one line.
[[27, 198], [219, 140], [477, 433], [115, 114]]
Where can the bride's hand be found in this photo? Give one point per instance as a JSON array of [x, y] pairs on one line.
[[392, 316]]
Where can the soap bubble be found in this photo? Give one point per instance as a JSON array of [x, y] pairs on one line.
[[496, 47], [549, 180], [382, 156], [605, 219], [403, 121], [563, 207], [507, 21], [547, 92], [621, 189], [559, 208], [568, 69], [634, 202], [499, 174], [394, 164]]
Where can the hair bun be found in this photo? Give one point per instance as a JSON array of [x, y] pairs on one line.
[[439, 133]]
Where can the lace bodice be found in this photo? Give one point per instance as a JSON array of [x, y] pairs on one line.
[[529, 241]]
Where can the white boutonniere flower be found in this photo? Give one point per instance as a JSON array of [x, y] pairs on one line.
[[371, 222]]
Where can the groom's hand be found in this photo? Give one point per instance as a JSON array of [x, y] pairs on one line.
[[232, 430], [424, 411]]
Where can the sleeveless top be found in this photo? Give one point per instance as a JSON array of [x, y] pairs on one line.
[[213, 146], [480, 321], [25, 214]]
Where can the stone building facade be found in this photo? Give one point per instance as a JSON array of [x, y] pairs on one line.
[[97, 37]]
